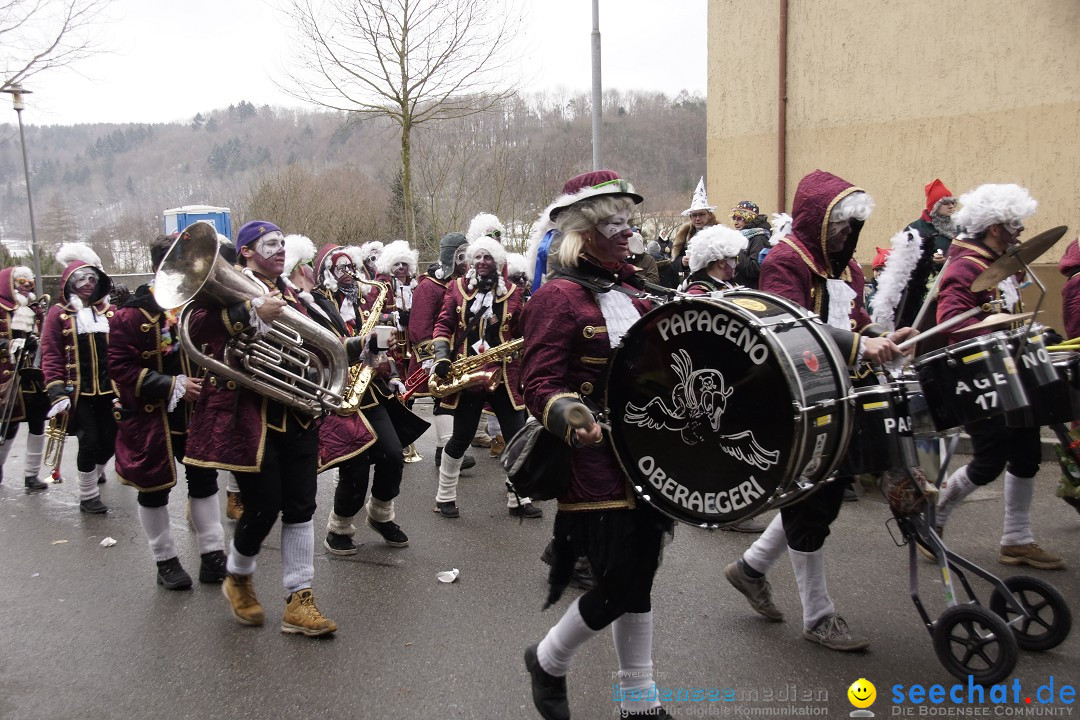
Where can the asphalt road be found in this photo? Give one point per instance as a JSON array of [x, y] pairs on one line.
[[87, 634]]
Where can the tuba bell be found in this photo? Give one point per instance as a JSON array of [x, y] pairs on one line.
[[281, 364]]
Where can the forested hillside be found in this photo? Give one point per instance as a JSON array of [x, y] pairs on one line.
[[336, 180]]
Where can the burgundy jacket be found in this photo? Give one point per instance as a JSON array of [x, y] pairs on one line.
[[453, 322], [968, 258], [8, 305], [60, 359], [426, 305], [798, 267], [1070, 294], [566, 356], [142, 337], [229, 422]]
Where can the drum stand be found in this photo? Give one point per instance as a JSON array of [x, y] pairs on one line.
[[969, 638]]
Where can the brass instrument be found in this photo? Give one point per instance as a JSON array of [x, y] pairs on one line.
[[56, 434], [280, 364], [10, 394], [360, 375], [469, 371]]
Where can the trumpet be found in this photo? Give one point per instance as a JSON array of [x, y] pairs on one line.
[[469, 371], [56, 434]]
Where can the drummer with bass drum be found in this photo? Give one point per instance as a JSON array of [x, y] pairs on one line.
[[992, 218]]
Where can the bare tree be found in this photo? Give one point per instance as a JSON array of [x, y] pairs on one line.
[[39, 35], [412, 61]]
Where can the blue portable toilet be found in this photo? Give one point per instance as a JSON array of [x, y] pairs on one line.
[[179, 218]]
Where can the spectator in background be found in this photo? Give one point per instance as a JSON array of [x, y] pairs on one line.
[[748, 220], [877, 266], [665, 271], [701, 216], [642, 260]]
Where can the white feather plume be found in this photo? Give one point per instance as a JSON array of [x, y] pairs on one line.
[[781, 225], [77, 252], [299, 250], [906, 249]]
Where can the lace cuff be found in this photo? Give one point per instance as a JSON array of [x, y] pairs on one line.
[[178, 390], [260, 326]]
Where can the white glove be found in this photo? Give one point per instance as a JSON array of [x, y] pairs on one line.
[[397, 386], [427, 365], [63, 406], [15, 346]]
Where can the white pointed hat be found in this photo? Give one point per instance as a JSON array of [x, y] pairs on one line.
[[700, 201]]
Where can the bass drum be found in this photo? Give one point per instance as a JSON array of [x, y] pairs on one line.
[[722, 408]]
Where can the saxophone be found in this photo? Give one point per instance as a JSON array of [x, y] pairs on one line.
[[469, 371], [359, 374]]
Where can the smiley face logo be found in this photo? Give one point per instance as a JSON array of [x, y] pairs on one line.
[[862, 693]]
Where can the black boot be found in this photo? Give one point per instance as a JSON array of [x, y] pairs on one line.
[[93, 506], [548, 691], [32, 483], [172, 576], [212, 568], [468, 461]]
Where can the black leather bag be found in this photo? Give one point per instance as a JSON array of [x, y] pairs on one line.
[[537, 462]]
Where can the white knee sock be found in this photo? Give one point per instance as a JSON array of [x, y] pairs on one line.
[[238, 564], [99, 470], [88, 487], [340, 525], [155, 522], [810, 575], [5, 450], [953, 492], [633, 633], [1018, 493], [35, 448], [556, 651], [206, 517], [513, 501], [297, 555], [444, 429], [380, 511], [449, 471], [769, 546], [231, 485]]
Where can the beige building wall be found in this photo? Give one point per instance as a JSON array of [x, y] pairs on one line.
[[890, 94]]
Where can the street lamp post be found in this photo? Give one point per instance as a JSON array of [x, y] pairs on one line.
[[17, 91]]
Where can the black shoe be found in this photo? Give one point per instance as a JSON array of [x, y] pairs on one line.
[[582, 577], [447, 509], [528, 510], [212, 569], [850, 495], [339, 544], [93, 506], [32, 483], [172, 576], [548, 691], [101, 479], [656, 712], [468, 461], [390, 532]]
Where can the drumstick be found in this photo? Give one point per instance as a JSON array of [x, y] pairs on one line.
[[940, 327]]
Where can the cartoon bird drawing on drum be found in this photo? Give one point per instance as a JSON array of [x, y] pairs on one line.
[[698, 402]]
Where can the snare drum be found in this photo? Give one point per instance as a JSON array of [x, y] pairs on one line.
[[722, 408], [973, 380], [881, 437]]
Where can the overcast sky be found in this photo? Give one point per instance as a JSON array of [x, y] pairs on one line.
[[172, 59]]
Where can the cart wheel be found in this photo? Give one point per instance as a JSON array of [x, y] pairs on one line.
[[1049, 618], [971, 640]]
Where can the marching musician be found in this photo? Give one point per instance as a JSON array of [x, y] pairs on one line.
[[156, 384], [517, 272], [367, 258], [712, 255], [271, 448], [480, 312], [992, 218], [20, 332], [814, 267], [74, 345], [571, 325], [372, 438], [427, 302]]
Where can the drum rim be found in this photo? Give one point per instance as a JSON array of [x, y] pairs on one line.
[[839, 367]]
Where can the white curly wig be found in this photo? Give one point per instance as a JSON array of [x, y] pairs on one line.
[[299, 250], [856, 206], [992, 204], [716, 242], [367, 250], [77, 251], [394, 253], [484, 244], [517, 264], [483, 224]]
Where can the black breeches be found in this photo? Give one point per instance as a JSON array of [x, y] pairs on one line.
[[96, 430], [469, 409], [806, 522], [996, 446], [385, 455]]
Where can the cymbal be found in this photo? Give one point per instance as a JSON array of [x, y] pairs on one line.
[[996, 321], [1013, 260]]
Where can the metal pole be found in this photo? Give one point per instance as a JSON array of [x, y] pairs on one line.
[[17, 98], [597, 99]]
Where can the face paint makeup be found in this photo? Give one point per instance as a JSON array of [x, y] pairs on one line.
[[614, 225], [270, 244], [83, 277]]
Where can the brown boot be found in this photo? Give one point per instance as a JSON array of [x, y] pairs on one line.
[[497, 444], [303, 616], [240, 590], [234, 506]]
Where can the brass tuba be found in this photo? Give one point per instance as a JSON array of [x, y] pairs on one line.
[[281, 364]]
